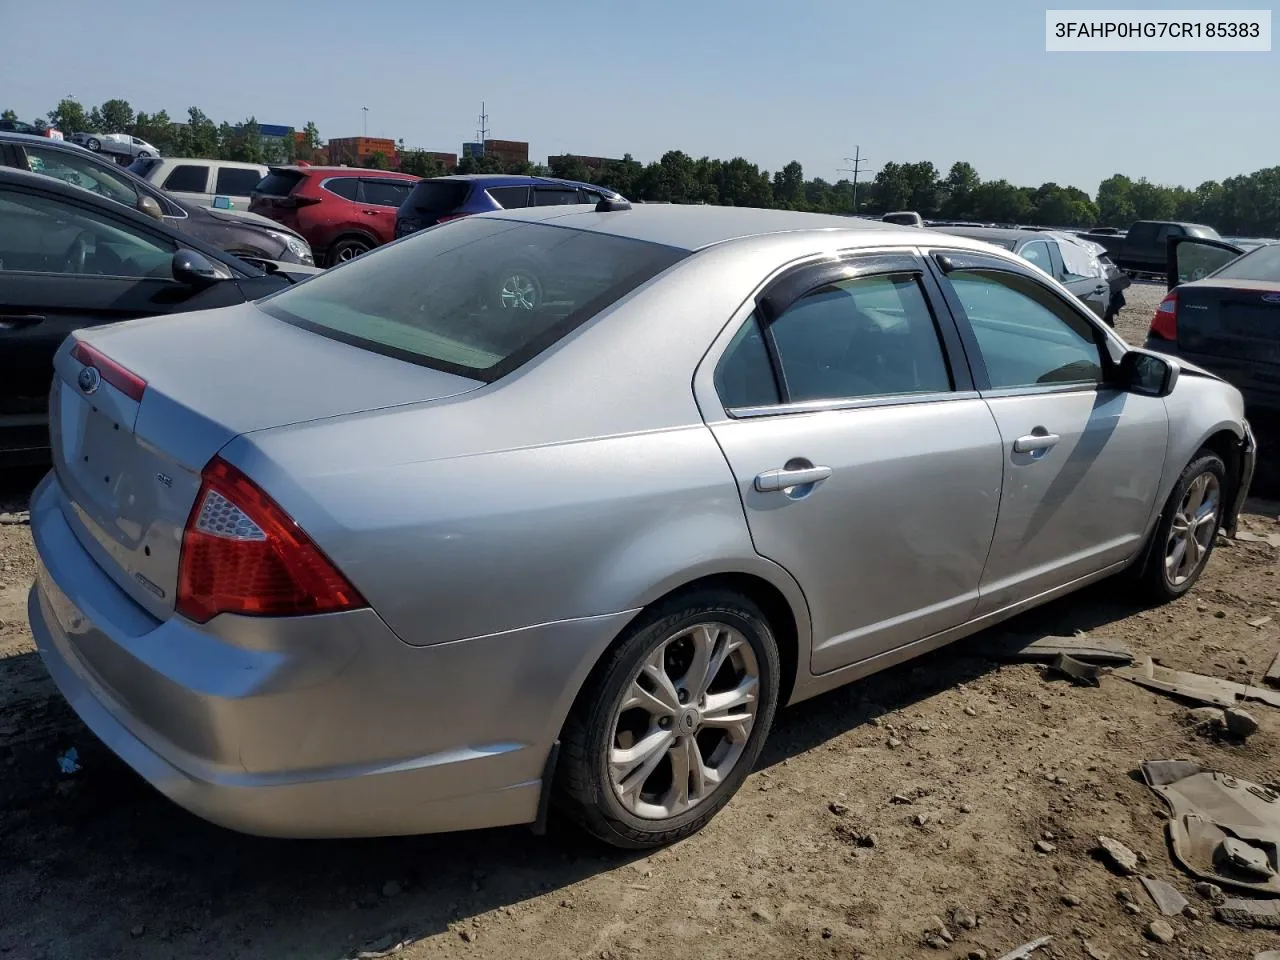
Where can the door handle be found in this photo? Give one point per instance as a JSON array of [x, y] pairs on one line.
[[12, 321], [1035, 441], [1101, 288], [772, 481], [372, 213]]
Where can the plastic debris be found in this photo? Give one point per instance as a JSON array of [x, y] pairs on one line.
[[69, 762]]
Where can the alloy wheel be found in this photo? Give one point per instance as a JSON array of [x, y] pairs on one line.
[[683, 721], [1194, 526], [519, 291]]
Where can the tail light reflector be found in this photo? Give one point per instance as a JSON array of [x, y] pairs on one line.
[[241, 553], [1165, 322], [126, 381]]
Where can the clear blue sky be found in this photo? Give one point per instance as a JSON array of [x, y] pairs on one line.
[[904, 79]]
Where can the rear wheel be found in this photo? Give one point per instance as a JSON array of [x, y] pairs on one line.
[[94, 144], [347, 249], [143, 154], [669, 726], [1184, 537]]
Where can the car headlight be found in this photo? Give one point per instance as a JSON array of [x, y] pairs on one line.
[[297, 246]]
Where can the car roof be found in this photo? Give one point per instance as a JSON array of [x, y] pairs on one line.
[[696, 226], [516, 180], [991, 234], [353, 171], [221, 163], [12, 136]]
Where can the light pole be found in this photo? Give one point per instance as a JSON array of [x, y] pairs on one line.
[[366, 121]]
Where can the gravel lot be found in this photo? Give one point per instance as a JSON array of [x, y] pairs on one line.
[[990, 759]]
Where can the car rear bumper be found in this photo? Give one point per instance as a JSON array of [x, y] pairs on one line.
[[320, 726]]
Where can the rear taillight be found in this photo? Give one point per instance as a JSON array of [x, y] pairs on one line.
[[1165, 322], [241, 553], [126, 381]]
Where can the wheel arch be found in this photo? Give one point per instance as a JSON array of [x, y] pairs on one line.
[[351, 234]]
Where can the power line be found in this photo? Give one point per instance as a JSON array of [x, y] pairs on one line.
[[856, 160]]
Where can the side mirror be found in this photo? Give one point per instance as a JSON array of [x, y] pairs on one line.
[[222, 203], [1147, 373], [196, 270], [150, 207]]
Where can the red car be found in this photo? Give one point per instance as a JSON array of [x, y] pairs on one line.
[[341, 211]]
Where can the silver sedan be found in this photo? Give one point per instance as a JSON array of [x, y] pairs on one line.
[[389, 553]]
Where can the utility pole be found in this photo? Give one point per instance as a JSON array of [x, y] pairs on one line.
[[366, 121], [483, 133], [857, 160]]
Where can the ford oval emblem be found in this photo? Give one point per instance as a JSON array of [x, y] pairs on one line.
[[89, 379], [1271, 298]]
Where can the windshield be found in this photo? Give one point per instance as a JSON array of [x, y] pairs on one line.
[[475, 297], [86, 172], [1261, 263], [1205, 233]]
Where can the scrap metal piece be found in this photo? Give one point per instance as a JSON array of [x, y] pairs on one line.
[[1017, 649], [1195, 686], [1249, 913], [1081, 674], [1169, 901], [1221, 828], [1271, 539], [1272, 677], [1024, 952]]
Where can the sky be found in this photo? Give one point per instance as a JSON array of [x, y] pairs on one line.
[[806, 80]]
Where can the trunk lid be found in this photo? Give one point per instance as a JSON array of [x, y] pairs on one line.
[[130, 470], [1239, 320]]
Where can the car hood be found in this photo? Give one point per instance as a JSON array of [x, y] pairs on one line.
[[245, 218]]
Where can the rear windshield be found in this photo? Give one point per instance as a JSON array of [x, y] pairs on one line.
[[278, 183], [144, 165], [437, 196], [1205, 233], [1261, 263], [475, 297]]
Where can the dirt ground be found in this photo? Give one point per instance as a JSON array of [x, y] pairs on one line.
[[991, 758]]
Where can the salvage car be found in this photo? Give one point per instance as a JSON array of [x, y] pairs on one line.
[[243, 234], [375, 555], [70, 260], [440, 199], [123, 145]]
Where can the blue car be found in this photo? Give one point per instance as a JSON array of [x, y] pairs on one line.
[[439, 199]]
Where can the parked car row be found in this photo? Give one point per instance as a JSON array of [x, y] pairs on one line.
[[400, 550]]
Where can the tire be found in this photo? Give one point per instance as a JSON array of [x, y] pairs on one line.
[[655, 813], [347, 249], [1159, 583], [144, 154], [516, 287], [94, 144]]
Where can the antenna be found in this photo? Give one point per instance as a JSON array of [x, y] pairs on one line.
[[483, 134], [857, 160], [365, 117]]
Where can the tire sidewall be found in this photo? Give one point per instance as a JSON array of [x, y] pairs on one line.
[[742, 616], [359, 245], [1203, 463]]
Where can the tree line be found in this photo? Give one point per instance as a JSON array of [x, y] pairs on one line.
[[1246, 205]]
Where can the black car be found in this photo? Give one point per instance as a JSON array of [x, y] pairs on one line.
[[235, 232], [70, 259]]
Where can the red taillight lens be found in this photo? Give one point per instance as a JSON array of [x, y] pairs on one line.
[[1165, 322], [452, 216], [242, 554], [126, 381]]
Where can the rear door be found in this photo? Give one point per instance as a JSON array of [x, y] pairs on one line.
[[555, 196], [510, 198], [237, 184], [379, 199], [66, 265], [1082, 458], [190, 181], [867, 465]]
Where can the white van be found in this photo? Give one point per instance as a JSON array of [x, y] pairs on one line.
[[201, 181]]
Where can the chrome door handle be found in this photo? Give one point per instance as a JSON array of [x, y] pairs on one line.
[[1035, 441], [772, 481]]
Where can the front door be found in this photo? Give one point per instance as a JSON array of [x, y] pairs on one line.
[[1082, 458], [867, 465]]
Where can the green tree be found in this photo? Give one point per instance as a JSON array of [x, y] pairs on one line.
[[70, 117], [1001, 202], [421, 164], [569, 167], [157, 129], [957, 191], [114, 116], [8, 115], [375, 161], [788, 187], [1115, 201], [199, 138], [621, 175]]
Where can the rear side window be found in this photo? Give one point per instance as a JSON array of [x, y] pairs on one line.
[[345, 187], [477, 297], [384, 192], [144, 165], [1261, 263], [438, 196], [187, 178], [510, 198], [1038, 253], [237, 181], [278, 183]]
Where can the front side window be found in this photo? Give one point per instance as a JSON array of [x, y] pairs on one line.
[[48, 235], [88, 174], [1038, 253], [187, 178], [1026, 335], [854, 339], [237, 181], [441, 297]]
